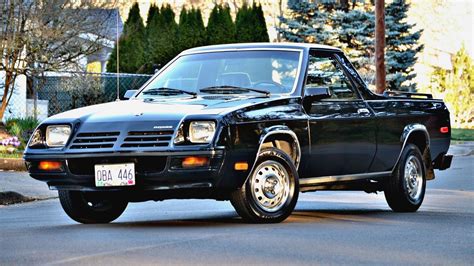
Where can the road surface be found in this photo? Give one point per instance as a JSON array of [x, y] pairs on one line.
[[325, 228]]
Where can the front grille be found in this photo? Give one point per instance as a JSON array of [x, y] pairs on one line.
[[94, 140], [143, 165], [147, 139]]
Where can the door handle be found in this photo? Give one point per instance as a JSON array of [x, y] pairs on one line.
[[363, 111]]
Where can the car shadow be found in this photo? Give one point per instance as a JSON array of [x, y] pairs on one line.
[[232, 219]]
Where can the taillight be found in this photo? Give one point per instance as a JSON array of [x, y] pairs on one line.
[[444, 130]]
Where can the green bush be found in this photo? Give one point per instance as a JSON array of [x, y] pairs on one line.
[[21, 128]]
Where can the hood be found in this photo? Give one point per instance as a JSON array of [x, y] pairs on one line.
[[168, 111]]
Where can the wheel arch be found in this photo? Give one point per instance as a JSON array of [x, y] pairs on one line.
[[283, 138], [418, 135]]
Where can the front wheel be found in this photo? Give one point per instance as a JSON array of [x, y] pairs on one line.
[[270, 193], [91, 207], [405, 189]]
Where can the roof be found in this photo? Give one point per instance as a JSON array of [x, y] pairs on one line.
[[106, 21], [237, 46]]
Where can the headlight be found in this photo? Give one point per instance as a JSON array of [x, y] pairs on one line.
[[201, 131], [57, 136]]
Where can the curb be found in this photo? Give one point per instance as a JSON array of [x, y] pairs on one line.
[[11, 197], [12, 164]]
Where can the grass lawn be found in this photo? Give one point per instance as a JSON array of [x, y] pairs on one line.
[[462, 134], [11, 155]]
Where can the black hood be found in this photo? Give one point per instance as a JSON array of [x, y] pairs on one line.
[[167, 110]]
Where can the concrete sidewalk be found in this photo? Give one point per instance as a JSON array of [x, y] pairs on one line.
[[31, 189]]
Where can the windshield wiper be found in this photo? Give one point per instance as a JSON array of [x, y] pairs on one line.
[[167, 91], [228, 89]]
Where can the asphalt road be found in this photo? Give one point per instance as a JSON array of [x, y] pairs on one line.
[[326, 228]]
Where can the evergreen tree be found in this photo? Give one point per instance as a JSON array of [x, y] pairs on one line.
[[131, 44], [243, 25], [351, 28], [191, 30], [250, 25], [161, 38], [308, 22], [199, 29], [355, 31], [402, 46], [261, 32], [220, 27], [152, 12]]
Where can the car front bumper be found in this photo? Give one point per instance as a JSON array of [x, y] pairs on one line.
[[154, 170]]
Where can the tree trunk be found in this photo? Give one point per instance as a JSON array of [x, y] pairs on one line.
[[380, 46], [7, 92]]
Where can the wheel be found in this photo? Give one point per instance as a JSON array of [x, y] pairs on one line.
[[270, 193], [91, 207], [405, 189]]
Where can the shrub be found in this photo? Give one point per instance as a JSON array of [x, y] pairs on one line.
[[21, 129]]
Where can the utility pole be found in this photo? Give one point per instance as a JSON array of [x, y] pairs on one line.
[[380, 46]]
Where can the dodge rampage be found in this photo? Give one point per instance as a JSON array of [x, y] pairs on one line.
[[251, 123]]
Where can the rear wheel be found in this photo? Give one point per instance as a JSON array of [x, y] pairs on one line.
[[270, 193], [405, 190], [91, 207]]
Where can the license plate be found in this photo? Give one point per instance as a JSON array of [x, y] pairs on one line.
[[114, 175]]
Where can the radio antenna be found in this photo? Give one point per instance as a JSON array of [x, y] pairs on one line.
[[118, 53]]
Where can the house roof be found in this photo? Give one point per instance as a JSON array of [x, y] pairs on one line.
[[107, 19]]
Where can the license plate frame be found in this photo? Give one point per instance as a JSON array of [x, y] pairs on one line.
[[114, 175]]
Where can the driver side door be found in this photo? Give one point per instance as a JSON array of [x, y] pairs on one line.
[[342, 127]]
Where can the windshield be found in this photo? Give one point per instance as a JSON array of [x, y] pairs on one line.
[[234, 72]]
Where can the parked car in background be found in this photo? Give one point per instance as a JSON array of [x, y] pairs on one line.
[[251, 123]]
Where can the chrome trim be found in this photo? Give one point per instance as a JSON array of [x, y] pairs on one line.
[[272, 132], [363, 111], [407, 130], [341, 178], [287, 132], [405, 100], [184, 186]]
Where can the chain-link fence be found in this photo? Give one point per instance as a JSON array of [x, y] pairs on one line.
[[60, 92]]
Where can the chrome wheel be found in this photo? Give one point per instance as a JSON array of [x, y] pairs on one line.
[[270, 186], [413, 178]]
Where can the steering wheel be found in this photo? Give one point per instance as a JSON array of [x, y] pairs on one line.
[[271, 82]]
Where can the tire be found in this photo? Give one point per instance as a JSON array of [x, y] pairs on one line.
[[405, 189], [270, 193], [91, 207]]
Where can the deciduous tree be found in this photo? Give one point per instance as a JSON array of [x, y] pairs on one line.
[[38, 36]]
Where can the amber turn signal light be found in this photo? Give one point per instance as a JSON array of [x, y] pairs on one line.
[[194, 161], [49, 165], [444, 130], [241, 166]]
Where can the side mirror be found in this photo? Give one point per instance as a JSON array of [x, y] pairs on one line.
[[316, 94], [129, 94]]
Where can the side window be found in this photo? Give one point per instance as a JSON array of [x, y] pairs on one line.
[[324, 71]]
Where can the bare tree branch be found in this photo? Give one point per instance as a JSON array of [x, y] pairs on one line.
[[48, 35]]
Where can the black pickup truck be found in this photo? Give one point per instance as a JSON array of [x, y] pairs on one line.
[[251, 123]]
